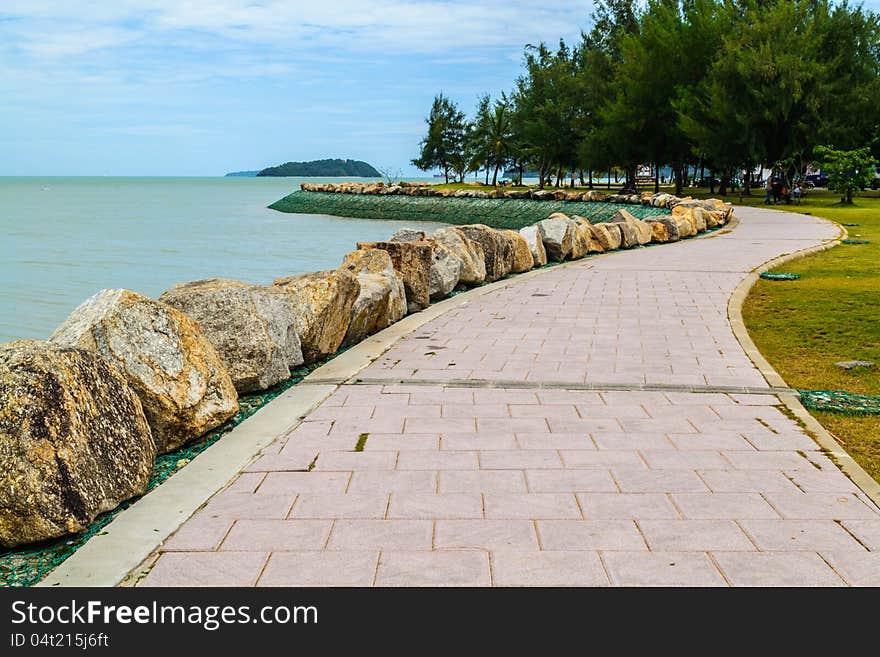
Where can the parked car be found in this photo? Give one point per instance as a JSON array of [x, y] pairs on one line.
[[816, 179]]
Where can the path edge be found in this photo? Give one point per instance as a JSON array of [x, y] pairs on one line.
[[792, 402]]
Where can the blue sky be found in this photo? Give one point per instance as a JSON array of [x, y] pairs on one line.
[[183, 87]]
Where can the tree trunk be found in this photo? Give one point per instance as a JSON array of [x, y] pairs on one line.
[[677, 175], [590, 184], [495, 175], [487, 172], [702, 170], [581, 173], [609, 179], [656, 178], [711, 181], [543, 174], [446, 173]]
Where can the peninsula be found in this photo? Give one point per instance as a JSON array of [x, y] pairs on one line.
[[323, 168]]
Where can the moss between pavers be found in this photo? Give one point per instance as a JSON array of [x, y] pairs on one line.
[[497, 213]]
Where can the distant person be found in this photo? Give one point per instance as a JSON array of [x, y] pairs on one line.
[[785, 194], [797, 193], [768, 187], [776, 186]]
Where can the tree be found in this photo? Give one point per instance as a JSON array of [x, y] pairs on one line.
[[848, 171], [492, 135], [445, 141]]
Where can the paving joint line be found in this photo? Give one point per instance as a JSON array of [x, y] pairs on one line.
[[561, 385]]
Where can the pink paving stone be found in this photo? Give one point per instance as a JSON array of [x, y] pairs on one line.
[[661, 569], [440, 460], [764, 440], [246, 482], [557, 412], [602, 458], [733, 506], [201, 532], [665, 459], [622, 440], [776, 569], [381, 535], [293, 569], [754, 460], [866, 531], [350, 460], [590, 535], [658, 481], [793, 535], [815, 481], [431, 505], [289, 462], [196, 569], [563, 481], [694, 535], [621, 506], [583, 425], [834, 506], [717, 440], [247, 505], [381, 424], [515, 568], [423, 481], [262, 535], [325, 412], [747, 481], [440, 425], [555, 441], [590, 411], [519, 459], [482, 481], [476, 410], [340, 505], [478, 441], [857, 568], [452, 568], [513, 425], [530, 506], [485, 535], [402, 441], [284, 483]]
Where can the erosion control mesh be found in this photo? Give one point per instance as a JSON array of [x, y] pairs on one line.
[[494, 212], [838, 401], [28, 564], [780, 276], [855, 242]]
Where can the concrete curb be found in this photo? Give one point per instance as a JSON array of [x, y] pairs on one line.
[[115, 555], [820, 434]]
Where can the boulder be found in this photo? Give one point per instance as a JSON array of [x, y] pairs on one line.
[[532, 236], [686, 227], [557, 234], [445, 265], [469, 252], [522, 254], [586, 230], [607, 235], [407, 235], [252, 329], [594, 195], [543, 195], [663, 228], [634, 231], [321, 303], [381, 300], [693, 214], [580, 244], [182, 382], [498, 249], [74, 441], [412, 262]]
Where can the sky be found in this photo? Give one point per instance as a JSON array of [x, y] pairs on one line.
[[190, 88]]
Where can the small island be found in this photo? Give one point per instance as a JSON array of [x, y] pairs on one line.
[[323, 168]]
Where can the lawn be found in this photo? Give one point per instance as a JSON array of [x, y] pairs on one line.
[[832, 313]]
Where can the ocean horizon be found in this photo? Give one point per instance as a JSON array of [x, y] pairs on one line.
[[67, 237]]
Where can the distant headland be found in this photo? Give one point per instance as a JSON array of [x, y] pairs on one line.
[[317, 168]]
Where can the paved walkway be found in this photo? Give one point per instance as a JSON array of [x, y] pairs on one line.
[[547, 467]]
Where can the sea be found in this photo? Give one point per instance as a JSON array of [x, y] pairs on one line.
[[63, 239]]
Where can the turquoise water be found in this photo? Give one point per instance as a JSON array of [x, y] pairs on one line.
[[66, 238]]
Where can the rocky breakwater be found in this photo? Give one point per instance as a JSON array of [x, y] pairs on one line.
[[125, 377]]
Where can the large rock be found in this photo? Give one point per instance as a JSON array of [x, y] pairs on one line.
[[557, 234], [253, 329], [381, 300], [633, 231], [522, 254], [412, 262], [181, 380], [607, 235], [585, 228], [469, 252], [498, 249], [532, 236], [693, 214], [321, 303], [580, 245], [407, 235], [445, 265], [663, 228], [74, 441]]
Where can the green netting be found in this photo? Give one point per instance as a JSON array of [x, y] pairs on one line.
[[780, 276], [839, 401], [27, 565], [494, 212], [855, 242]]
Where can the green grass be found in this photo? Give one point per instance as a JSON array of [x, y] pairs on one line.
[[362, 442], [497, 213], [832, 313]]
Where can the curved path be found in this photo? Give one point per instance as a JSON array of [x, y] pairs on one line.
[[596, 424]]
